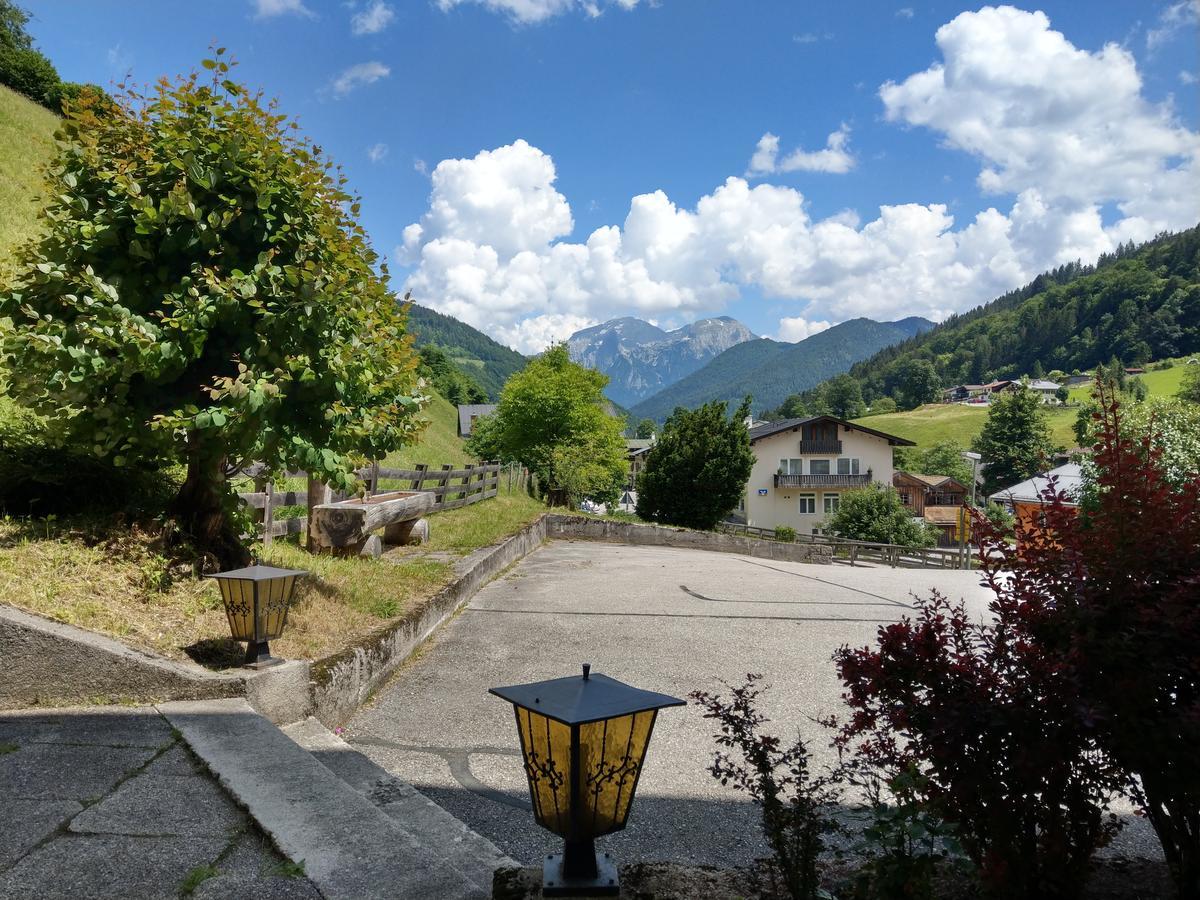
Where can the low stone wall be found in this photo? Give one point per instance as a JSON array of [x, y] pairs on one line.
[[617, 532], [343, 681], [47, 663]]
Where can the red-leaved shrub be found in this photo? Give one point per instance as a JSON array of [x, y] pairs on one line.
[[1086, 679]]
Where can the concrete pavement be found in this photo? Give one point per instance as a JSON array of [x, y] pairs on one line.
[[668, 620]]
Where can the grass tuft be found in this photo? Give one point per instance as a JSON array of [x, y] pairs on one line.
[[196, 877]]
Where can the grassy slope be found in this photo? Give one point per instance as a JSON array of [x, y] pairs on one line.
[[26, 143], [945, 421], [439, 442]]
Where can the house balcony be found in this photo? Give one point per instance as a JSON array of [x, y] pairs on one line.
[[830, 448], [822, 481]]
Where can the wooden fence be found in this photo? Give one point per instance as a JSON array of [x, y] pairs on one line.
[[893, 555], [452, 488]]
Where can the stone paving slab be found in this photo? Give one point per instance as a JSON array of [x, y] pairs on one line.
[[37, 820], [162, 805], [103, 866], [230, 887], [67, 771], [119, 726]]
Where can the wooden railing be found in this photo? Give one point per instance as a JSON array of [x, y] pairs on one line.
[[452, 488], [852, 551], [812, 481], [833, 447]]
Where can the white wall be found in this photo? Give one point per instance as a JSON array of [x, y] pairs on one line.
[[781, 506]]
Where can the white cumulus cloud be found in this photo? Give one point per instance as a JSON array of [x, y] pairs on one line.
[[269, 9], [377, 152], [356, 76], [529, 12], [373, 19], [1041, 114], [835, 158], [797, 328]]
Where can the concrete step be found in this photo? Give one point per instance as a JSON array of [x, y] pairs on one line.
[[470, 853], [350, 847]]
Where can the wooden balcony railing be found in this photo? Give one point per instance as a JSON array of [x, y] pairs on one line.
[[813, 481], [834, 448]]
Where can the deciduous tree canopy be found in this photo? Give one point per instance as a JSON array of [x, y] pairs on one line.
[[203, 293]]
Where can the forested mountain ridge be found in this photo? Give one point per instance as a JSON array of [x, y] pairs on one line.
[[488, 362], [769, 370], [1137, 304]]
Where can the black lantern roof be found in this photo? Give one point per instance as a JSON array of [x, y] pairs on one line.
[[579, 699], [257, 572]]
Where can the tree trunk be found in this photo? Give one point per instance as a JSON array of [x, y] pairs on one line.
[[200, 512]]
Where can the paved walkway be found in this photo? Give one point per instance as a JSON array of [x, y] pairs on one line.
[[107, 802], [666, 619]]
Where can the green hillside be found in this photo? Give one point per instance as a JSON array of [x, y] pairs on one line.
[[26, 144], [769, 371], [489, 362], [1138, 304]]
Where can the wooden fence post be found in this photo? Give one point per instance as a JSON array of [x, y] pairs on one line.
[[420, 479], [373, 484], [443, 482], [318, 493], [268, 516]]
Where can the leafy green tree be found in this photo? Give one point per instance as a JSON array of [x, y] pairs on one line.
[[645, 429], [1189, 387], [451, 382], [917, 382], [697, 470], [1168, 425], [1015, 441], [843, 396], [945, 458], [551, 415], [202, 293], [874, 513], [882, 405], [13, 20], [27, 71], [1063, 394]]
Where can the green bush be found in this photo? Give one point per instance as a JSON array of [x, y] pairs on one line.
[[785, 533], [39, 476], [28, 72], [875, 514]]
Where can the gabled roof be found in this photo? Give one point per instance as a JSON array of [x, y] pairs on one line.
[[469, 411], [1040, 384], [935, 481], [1068, 479], [767, 429]]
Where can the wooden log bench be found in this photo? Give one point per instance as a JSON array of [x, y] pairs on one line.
[[346, 527]]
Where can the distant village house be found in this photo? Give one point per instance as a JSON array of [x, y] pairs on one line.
[[469, 412]]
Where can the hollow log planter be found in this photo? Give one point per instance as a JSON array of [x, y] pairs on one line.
[[344, 528]]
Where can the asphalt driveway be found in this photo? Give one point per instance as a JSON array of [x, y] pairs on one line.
[[664, 619]]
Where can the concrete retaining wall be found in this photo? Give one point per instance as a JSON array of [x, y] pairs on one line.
[[43, 662], [343, 682], [579, 528]]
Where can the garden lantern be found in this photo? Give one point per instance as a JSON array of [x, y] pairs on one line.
[[256, 601], [583, 742]]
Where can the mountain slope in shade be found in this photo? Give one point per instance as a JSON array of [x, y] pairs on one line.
[[641, 359], [488, 361], [770, 370]]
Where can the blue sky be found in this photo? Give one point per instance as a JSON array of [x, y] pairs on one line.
[[790, 164]]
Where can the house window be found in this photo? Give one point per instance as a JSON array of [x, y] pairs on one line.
[[906, 498], [847, 466], [818, 467], [791, 466], [831, 503], [808, 504]]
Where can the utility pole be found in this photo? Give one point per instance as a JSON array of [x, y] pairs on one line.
[[964, 519]]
